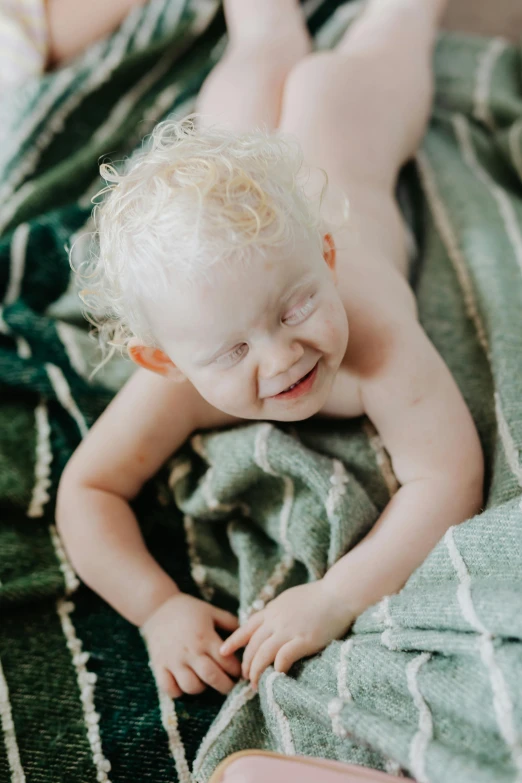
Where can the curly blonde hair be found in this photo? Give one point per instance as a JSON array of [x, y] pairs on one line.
[[191, 198]]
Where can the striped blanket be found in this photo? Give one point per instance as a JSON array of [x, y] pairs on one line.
[[429, 681]]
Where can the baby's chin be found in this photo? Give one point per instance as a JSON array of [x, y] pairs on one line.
[[293, 415], [299, 410]]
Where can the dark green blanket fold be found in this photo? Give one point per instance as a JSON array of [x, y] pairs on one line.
[[430, 680]]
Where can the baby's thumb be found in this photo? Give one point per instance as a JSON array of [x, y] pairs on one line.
[[225, 620]]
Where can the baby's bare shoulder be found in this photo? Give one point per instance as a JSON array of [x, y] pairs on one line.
[[377, 335], [394, 375]]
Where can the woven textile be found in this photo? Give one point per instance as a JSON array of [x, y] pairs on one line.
[[429, 681]]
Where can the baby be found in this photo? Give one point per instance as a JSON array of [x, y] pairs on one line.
[[241, 295]]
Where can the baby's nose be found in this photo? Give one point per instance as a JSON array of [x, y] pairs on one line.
[[279, 358]]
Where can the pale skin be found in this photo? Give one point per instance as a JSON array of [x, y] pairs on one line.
[[348, 314], [73, 25]]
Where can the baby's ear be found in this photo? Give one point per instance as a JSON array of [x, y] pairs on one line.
[[329, 251], [154, 359]]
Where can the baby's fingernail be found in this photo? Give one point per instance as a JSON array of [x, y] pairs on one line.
[[223, 649]]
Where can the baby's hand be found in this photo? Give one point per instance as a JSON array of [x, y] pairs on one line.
[[299, 622], [184, 646]]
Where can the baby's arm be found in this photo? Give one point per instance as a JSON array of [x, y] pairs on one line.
[[147, 421], [411, 397], [436, 454]]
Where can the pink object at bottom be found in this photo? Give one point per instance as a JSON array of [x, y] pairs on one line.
[[261, 767]]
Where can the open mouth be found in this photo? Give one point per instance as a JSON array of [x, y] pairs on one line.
[[302, 386]]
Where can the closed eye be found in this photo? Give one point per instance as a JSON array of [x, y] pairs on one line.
[[300, 313], [234, 355]]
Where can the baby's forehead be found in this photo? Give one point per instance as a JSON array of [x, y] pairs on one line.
[[229, 298], [255, 276]]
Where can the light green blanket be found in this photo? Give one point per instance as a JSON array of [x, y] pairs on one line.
[[430, 680]]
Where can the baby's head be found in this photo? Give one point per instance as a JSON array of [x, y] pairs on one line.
[[214, 266]]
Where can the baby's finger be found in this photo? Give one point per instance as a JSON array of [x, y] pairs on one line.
[[261, 635], [240, 637], [188, 681], [225, 620], [290, 653], [209, 671], [167, 683], [228, 663], [263, 658]]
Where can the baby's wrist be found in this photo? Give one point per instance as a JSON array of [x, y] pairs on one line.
[[157, 597], [343, 604]]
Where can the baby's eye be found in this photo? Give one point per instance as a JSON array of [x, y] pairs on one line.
[[299, 314], [234, 355]]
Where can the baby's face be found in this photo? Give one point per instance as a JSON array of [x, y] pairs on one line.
[[248, 334]]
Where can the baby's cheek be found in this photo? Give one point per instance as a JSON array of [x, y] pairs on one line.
[[338, 322], [223, 394], [332, 331], [213, 392]]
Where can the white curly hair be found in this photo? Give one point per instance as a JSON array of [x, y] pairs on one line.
[[191, 198]]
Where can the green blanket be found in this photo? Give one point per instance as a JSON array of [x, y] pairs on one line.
[[430, 680]]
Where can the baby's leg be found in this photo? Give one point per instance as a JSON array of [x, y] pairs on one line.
[[361, 110], [266, 39]]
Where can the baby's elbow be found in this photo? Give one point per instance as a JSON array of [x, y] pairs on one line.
[[477, 481], [67, 499], [460, 478], [469, 478], [62, 504]]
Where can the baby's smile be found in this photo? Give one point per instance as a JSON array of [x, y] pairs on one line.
[[268, 338], [302, 386]]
